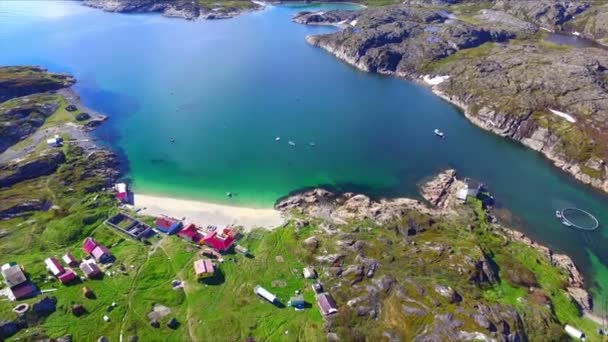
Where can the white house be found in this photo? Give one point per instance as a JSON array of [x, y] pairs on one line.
[[54, 141]]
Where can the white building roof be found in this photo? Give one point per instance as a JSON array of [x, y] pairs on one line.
[[121, 187], [462, 194], [265, 294]]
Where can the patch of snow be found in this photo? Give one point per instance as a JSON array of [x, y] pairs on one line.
[[576, 33], [341, 22], [434, 80], [353, 23], [261, 3], [566, 116]]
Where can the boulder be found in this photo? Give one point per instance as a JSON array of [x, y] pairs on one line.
[[83, 116], [449, 293], [71, 108], [311, 242]]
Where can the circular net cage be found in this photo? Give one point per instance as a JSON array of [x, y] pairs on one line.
[[579, 219]]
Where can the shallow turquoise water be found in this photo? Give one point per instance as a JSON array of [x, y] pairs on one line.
[[226, 89]]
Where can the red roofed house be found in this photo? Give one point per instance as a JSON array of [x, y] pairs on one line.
[[326, 304], [167, 225], [89, 245], [53, 266], [220, 241], [190, 233], [101, 254], [69, 260], [67, 276], [203, 268]]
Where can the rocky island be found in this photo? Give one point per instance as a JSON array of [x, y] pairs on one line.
[[492, 59]]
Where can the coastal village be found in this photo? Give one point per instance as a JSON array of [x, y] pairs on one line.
[[80, 260]]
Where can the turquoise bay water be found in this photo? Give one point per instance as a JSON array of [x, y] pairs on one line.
[[226, 89]]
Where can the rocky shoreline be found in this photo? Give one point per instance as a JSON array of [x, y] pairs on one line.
[[424, 45], [189, 10], [440, 192], [27, 158]]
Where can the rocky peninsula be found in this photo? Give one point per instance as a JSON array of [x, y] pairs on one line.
[[491, 59], [433, 267]]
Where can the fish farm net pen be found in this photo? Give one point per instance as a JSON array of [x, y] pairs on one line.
[[579, 219]]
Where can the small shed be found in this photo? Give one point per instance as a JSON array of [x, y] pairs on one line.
[[69, 260], [260, 291], [203, 268], [54, 141], [574, 332], [317, 287], [326, 304], [241, 249], [297, 302], [87, 293]]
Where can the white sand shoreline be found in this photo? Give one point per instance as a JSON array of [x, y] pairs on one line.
[[204, 213]]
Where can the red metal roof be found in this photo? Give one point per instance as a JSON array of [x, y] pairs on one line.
[[219, 241], [190, 232], [67, 276], [89, 245]]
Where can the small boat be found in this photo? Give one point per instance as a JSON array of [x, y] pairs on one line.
[[277, 139], [558, 214], [228, 194], [292, 143], [438, 133], [312, 144], [172, 139]]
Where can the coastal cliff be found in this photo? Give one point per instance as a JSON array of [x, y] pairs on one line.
[[494, 63]]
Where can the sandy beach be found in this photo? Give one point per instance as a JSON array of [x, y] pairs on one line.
[[203, 213]]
